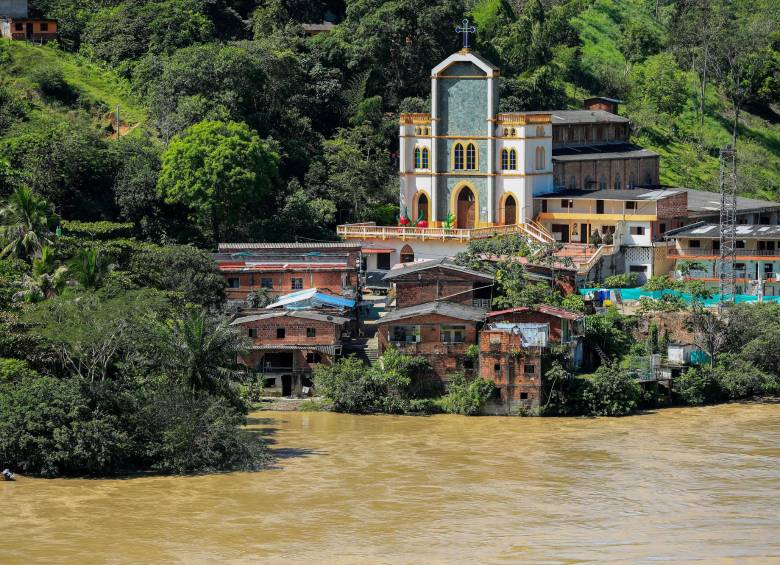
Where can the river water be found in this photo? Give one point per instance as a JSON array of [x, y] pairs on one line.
[[680, 484]]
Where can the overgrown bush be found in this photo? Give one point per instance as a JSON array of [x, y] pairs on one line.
[[739, 378], [623, 280], [698, 386], [612, 391], [466, 396], [51, 82]]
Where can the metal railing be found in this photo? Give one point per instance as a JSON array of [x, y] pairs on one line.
[[674, 252]]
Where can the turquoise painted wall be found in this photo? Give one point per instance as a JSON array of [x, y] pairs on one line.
[[463, 106]]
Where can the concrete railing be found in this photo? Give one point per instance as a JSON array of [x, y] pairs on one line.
[[531, 230]]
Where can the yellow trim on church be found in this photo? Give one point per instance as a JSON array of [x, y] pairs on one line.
[[596, 217]]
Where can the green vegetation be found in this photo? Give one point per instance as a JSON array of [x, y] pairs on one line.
[[466, 396], [625, 280]]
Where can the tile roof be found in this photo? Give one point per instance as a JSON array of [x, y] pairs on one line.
[[449, 309]]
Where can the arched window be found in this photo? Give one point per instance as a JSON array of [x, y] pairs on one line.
[[540, 158], [631, 180], [422, 207], [513, 159], [504, 159], [506, 132], [407, 254], [572, 182], [602, 182], [539, 131], [648, 178], [618, 186], [457, 161], [416, 131], [425, 159], [426, 131], [471, 157], [513, 132], [417, 158]]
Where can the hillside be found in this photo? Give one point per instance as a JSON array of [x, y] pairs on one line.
[[689, 153], [93, 89]]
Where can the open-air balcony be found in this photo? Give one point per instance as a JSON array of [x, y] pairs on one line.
[[371, 230]]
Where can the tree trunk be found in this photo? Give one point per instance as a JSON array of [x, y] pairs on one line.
[[736, 125]]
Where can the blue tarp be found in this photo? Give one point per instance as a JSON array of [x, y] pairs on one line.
[[637, 293]]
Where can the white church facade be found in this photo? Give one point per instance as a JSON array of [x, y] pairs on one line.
[[465, 165]]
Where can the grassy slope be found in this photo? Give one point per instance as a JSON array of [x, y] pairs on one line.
[[685, 162], [98, 89]]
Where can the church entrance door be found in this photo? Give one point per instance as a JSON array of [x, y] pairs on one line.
[[465, 213], [510, 211]]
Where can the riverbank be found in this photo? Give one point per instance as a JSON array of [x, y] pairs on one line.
[[673, 485]]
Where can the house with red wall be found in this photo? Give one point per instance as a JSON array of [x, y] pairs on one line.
[[282, 268]]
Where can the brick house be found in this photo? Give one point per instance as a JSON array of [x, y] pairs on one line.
[[286, 346], [439, 331], [440, 279], [281, 268], [511, 346]]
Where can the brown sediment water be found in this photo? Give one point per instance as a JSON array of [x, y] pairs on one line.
[[675, 485]]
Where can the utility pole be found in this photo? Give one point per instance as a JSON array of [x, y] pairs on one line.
[[728, 226]]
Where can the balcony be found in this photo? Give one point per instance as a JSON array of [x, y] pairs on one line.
[[702, 253], [481, 303], [371, 230]]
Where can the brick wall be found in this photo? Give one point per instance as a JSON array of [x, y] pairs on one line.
[[429, 285], [675, 206], [295, 331], [329, 281], [444, 358], [515, 370], [533, 317]]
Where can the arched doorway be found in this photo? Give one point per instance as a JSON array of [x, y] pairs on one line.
[[466, 208], [421, 210], [510, 211]]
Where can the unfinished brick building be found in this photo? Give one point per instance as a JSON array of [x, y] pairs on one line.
[[288, 345], [511, 346], [443, 280], [281, 268], [439, 331]]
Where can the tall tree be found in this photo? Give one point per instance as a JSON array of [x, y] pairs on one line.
[[220, 171]]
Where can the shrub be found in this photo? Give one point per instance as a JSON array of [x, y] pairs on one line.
[[350, 385], [661, 282], [97, 230], [666, 303], [624, 280], [698, 386], [612, 391], [51, 82], [466, 396], [739, 378], [15, 370]]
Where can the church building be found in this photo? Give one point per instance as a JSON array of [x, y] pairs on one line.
[[465, 161]]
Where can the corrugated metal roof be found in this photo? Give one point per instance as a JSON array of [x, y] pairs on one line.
[[303, 314], [543, 308], [712, 231], [637, 194], [450, 309], [289, 245], [443, 263], [313, 296], [328, 349]]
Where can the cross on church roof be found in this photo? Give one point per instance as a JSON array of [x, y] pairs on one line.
[[465, 29]]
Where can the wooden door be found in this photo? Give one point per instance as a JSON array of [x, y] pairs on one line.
[[466, 207], [510, 211]]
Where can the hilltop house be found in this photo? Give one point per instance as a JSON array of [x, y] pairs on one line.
[[16, 24]]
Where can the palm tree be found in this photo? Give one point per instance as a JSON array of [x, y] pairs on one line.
[[89, 268], [47, 280], [25, 225], [204, 351]]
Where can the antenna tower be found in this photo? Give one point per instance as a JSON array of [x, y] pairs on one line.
[[728, 225]]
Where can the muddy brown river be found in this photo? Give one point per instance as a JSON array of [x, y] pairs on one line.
[[676, 485]]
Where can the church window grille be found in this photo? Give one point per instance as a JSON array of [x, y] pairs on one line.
[[458, 157], [471, 157], [539, 131], [506, 132], [513, 132], [425, 159], [417, 158], [513, 159], [416, 131]]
